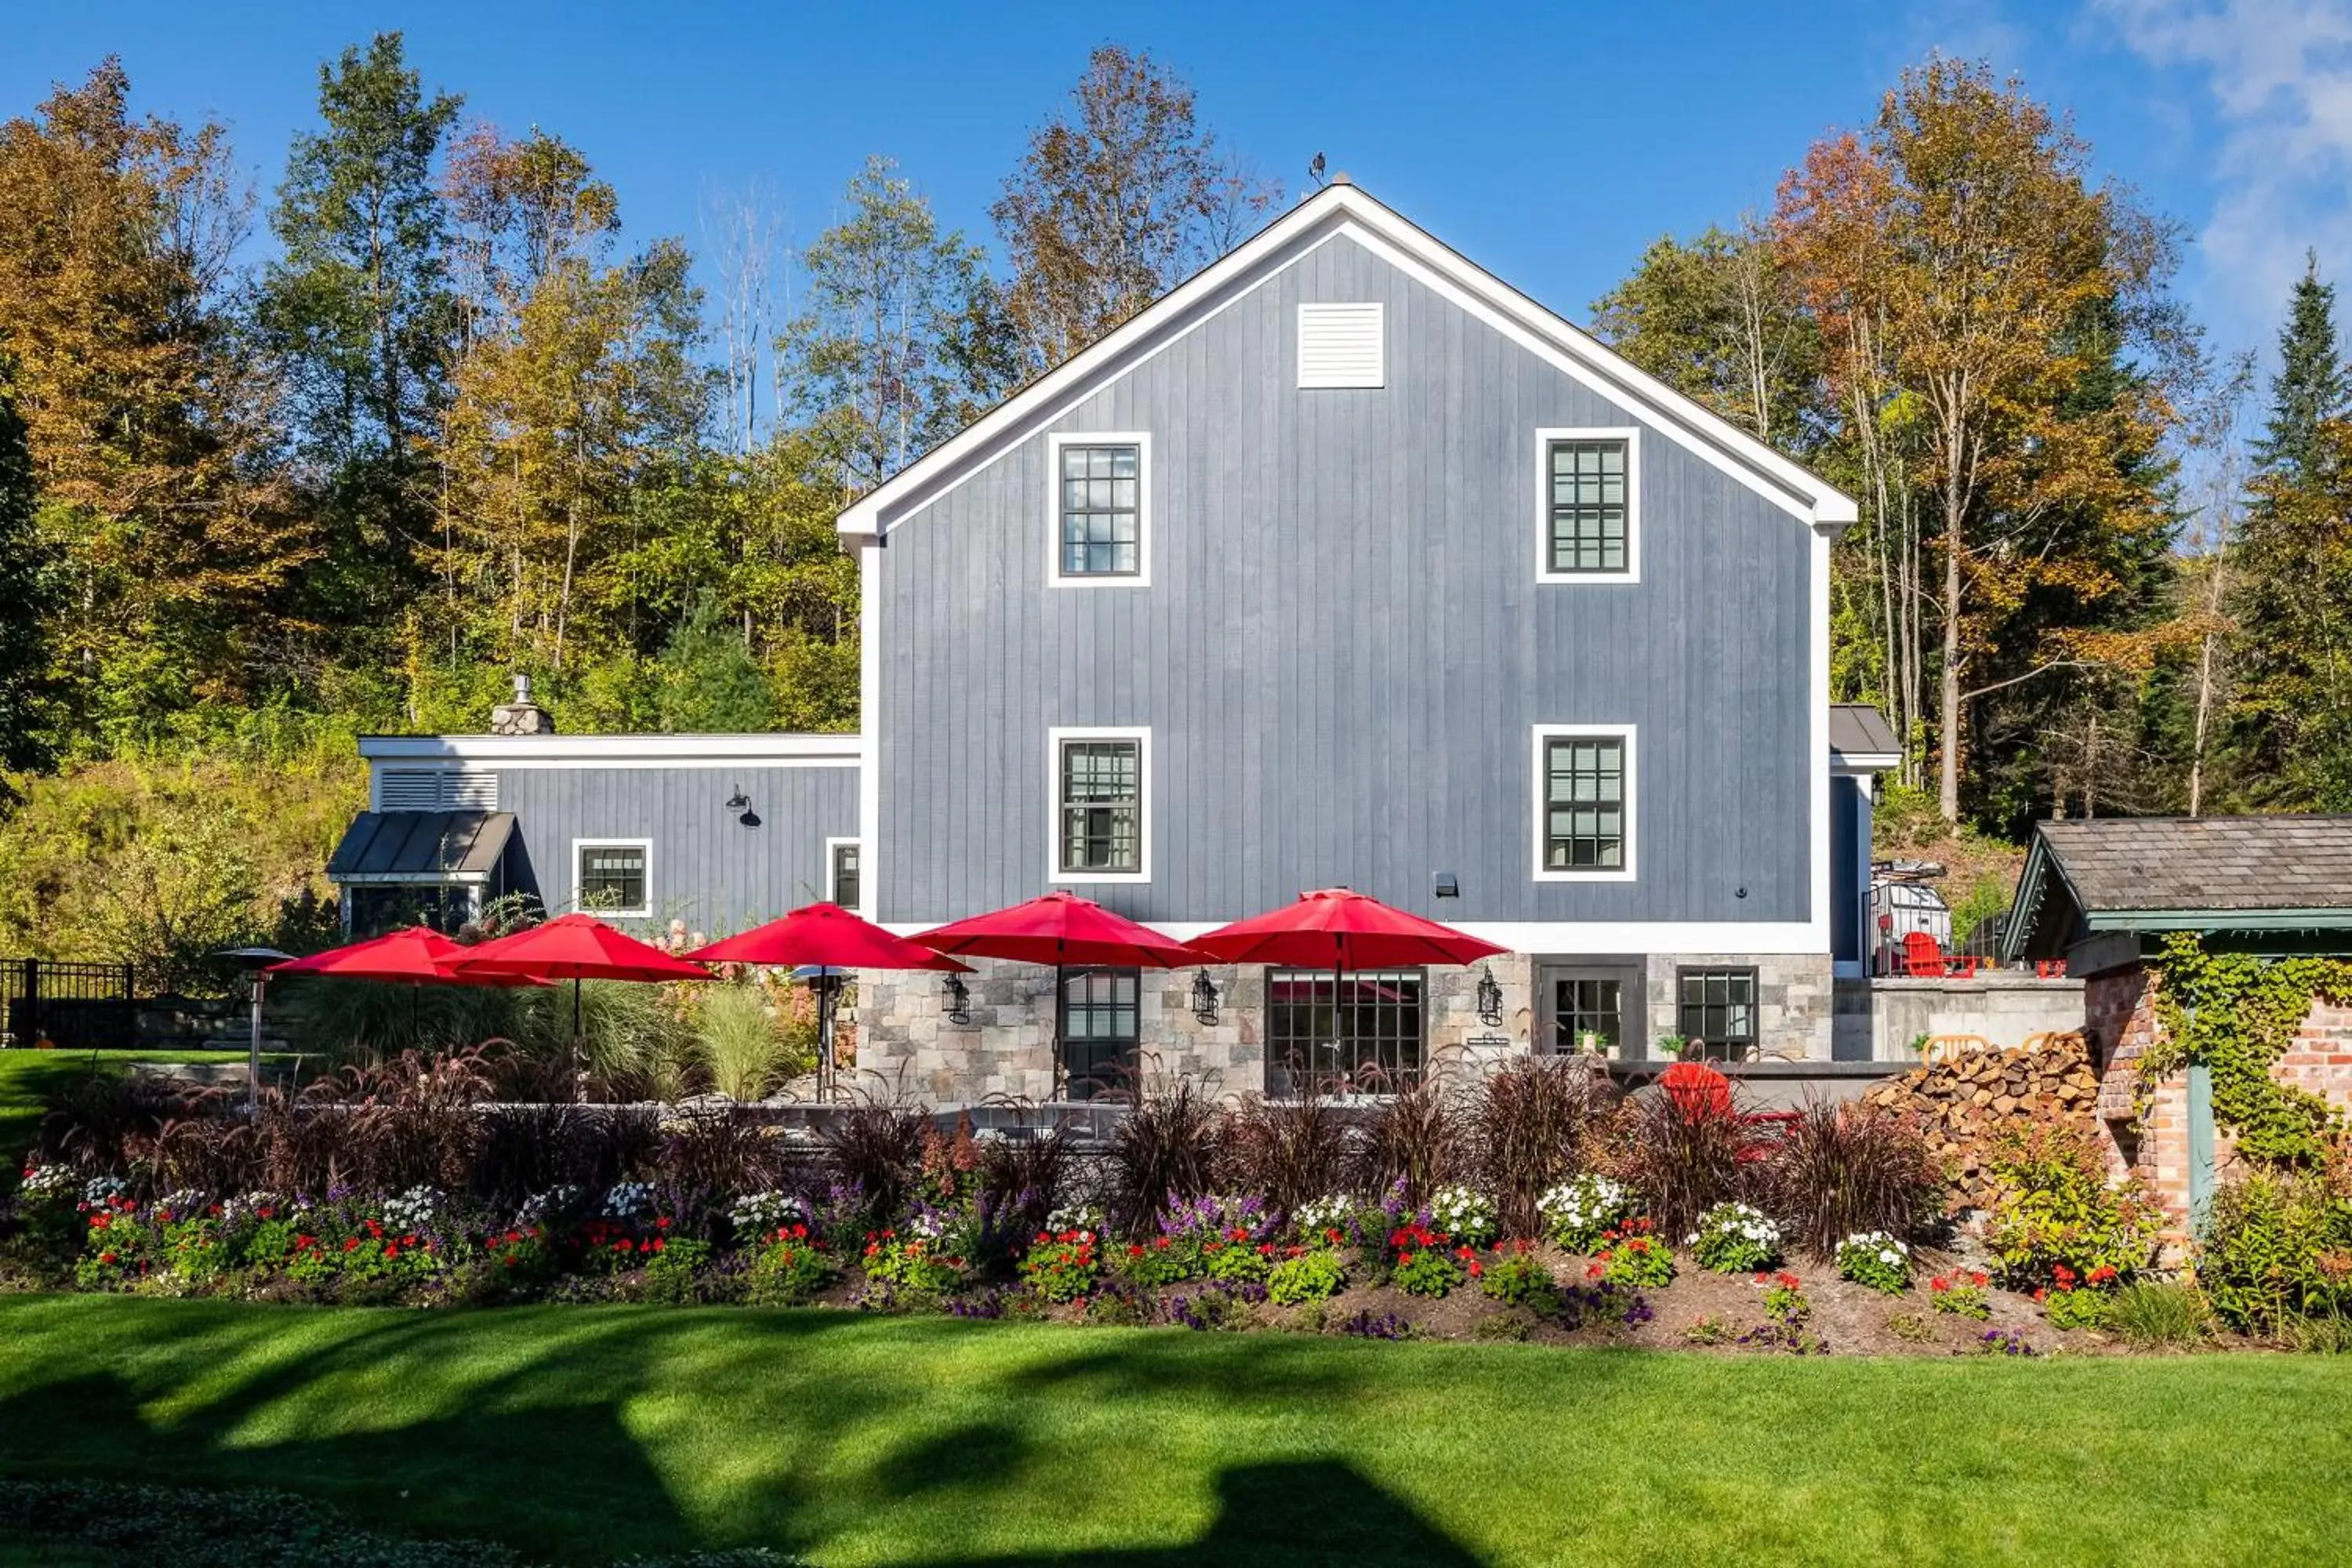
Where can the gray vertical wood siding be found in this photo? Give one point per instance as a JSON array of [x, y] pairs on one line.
[[706, 869], [1343, 649]]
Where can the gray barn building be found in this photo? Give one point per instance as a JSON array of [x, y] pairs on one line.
[[1345, 564]]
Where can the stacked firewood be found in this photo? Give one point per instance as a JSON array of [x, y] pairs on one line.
[[1962, 1102]]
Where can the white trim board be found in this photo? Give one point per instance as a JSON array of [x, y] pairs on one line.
[[1347, 210], [1141, 441], [646, 844], [1139, 734], [1538, 801], [1578, 939], [620, 750]]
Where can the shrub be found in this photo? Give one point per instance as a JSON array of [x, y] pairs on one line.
[[1679, 1164], [2153, 1315], [1061, 1265], [1236, 1260], [1962, 1294], [2277, 1248], [1841, 1169], [2327, 1335], [1874, 1258], [1165, 1148], [1528, 1129], [1162, 1260], [1735, 1238], [2073, 1306], [740, 1039], [672, 1268], [1021, 1180], [792, 1266], [915, 1267], [1415, 1140], [1290, 1150], [519, 1254], [1576, 1213], [1315, 1275], [1464, 1214], [1633, 1257], [1517, 1277], [2055, 1207], [878, 1150], [1426, 1263]]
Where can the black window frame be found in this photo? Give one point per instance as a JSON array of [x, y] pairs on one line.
[[1300, 1046], [855, 876], [1595, 513], [642, 906], [1632, 1006], [1692, 1018], [1081, 566], [1098, 1052], [1106, 808], [1621, 806]]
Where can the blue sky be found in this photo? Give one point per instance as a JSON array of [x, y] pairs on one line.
[[1548, 143]]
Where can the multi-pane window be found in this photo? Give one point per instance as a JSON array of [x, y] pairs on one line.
[[1362, 1031], [845, 875], [1101, 510], [1587, 1013], [1589, 510], [1101, 806], [1584, 803], [613, 877], [1099, 1026], [1716, 1011]]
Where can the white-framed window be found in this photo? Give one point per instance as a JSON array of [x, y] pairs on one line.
[[1099, 782], [1099, 514], [1584, 799], [1588, 504], [844, 879], [613, 877], [1342, 345]]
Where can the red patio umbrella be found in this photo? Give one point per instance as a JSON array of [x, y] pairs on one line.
[[1341, 929], [825, 937], [576, 948], [418, 955], [1062, 930]]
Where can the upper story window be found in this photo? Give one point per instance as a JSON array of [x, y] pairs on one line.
[[1590, 484], [1100, 789], [1102, 513], [612, 876], [1584, 803], [842, 872]]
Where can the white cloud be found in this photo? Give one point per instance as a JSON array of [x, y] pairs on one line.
[[2280, 75]]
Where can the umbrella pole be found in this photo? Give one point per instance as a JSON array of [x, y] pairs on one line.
[[579, 1049], [253, 1053], [827, 1073]]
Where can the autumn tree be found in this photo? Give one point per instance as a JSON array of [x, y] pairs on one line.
[[1117, 198], [359, 312], [518, 210], [147, 417], [1979, 293]]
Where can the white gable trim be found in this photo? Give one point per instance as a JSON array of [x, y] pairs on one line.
[[1346, 209]]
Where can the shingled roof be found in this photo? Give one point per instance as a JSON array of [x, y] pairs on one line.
[[2199, 874]]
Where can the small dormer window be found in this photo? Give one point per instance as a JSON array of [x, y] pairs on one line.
[[1342, 345], [1102, 510]]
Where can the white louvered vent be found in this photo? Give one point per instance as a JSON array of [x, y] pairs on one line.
[[470, 792], [408, 789], [1342, 345]]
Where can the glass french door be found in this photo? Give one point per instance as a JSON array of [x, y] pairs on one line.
[[1591, 1006]]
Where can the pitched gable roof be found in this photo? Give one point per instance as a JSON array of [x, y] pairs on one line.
[[1346, 209]]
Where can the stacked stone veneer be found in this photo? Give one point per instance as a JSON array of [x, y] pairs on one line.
[[2148, 1125], [908, 1051]]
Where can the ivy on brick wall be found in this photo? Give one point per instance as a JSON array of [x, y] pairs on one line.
[[2237, 1014]]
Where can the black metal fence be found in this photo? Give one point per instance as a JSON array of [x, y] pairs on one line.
[[69, 1005]]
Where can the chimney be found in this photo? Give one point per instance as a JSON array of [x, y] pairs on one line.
[[522, 716]]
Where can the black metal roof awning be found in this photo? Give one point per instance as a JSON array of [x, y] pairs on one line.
[[421, 846]]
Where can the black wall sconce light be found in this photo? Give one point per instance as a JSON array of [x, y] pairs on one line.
[[1449, 886], [740, 803], [959, 999], [1490, 997], [1204, 997]]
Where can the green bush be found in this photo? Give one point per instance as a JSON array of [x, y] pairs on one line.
[[2277, 1246], [1315, 1275], [1876, 1260], [1633, 1256], [1162, 1260], [1517, 1277], [791, 1268], [1735, 1238], [1239, 1262], [2054, 1208], [2154, 1315], [672, 1269]]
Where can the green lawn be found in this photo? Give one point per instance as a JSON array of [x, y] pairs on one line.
[[596, 1432]]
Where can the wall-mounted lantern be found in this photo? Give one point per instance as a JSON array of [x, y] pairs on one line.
[[1449, 886], [1490, 996], [1204, 997], [740, 804], [959, 999]]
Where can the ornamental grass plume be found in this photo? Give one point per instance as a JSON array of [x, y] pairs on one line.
[[1840, 1170]]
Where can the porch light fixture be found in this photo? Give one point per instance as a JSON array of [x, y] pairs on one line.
[[959, 999], [1490, 996], [1449, 886], [1204, 997], [738, 801]]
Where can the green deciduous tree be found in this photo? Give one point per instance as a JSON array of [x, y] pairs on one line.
[[24, 653]]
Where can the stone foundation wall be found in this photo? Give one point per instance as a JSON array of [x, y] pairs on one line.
[[909, 1051]]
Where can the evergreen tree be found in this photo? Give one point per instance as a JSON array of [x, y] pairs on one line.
[[360, 313], [2311, 387], [23, 654]]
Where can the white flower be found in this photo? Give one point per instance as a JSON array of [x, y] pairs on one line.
[[1331, 1211], [42, 1183], [1075, 1217], [539, 1205], [413, 1210], [98, 1189], [755, 1214], [629, 1200]]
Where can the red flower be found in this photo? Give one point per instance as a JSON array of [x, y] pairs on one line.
[[1760, 1277], [1594, 1270], [106, 1258], [1977, 1278], [351, 1243], [1939, 1284], [1787, 1281], [662, 1224], [1474, 1269], [1161, 1243], [657, 1243], [1135, 1249], [2039, 1294]]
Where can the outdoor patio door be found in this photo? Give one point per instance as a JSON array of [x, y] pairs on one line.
[[1587, 1001]]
